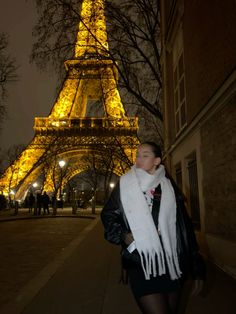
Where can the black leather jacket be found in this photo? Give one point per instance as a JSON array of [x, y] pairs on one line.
[[116, 226]]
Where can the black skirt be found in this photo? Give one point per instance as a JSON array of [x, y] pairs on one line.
[[131, 261], [159, 284]]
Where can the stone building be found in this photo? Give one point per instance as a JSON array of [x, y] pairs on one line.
[[199, 95]]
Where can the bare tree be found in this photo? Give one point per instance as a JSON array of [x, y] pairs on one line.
[[9, 158], [8, 74], [134, 33], [53, 173], [99, 166], [133, 30]]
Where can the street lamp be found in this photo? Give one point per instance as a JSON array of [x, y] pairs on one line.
[[12, 194], [61, 165], [35, 184], [112, 185]]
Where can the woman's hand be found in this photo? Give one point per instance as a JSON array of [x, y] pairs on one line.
[[197, 287], [128, 238]]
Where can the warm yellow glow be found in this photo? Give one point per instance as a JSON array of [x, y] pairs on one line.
[[91, 75], [93, 79], [92, 34], [19, 169], [126, 124], [62, 107]]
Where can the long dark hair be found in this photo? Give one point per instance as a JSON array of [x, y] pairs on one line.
[[156, 149]]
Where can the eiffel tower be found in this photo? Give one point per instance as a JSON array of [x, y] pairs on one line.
[[71, 132]]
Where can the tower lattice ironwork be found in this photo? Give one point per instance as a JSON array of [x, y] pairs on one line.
[[75, 128]]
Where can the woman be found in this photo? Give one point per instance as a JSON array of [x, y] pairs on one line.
[[146, 215]]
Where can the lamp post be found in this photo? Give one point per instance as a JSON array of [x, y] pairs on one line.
[[61, 165], [74, 201], [111, 185], [16, 203], [11, 198]]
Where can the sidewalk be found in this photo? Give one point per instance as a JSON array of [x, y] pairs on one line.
[[84, 279], [23, 213]]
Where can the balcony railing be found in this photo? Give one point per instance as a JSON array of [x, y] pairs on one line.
[[49, 124]]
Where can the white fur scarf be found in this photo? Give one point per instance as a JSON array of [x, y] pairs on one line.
[[147, 241]]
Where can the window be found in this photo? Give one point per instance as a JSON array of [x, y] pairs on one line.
[[193, 190], [179, 84], [178, 175]]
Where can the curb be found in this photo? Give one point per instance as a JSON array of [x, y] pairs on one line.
[[14, 218]]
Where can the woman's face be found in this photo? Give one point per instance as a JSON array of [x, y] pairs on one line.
[[146, 160]]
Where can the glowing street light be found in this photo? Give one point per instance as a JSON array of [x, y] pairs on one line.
[[61, 165], [35, 184], [11, 196], [112, 185]]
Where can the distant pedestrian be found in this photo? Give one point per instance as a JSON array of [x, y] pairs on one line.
[[54, 204], [16, 206], [45, 202], [31, 201], [38, 203], [3, 202]]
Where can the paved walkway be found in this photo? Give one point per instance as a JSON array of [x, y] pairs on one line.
[[23, 213], [84, 279]]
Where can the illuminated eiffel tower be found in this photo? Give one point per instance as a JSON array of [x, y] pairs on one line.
[[71, 132]]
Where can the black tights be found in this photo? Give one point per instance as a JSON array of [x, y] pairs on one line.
[[160, 303]]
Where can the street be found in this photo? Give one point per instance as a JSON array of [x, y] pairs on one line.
[[27, 246]]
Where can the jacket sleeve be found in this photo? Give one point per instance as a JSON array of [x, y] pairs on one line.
[[195, 261], [112, 219]]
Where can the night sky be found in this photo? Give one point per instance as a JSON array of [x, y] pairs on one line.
[[34, 94]]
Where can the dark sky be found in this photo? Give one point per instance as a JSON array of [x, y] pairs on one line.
[[34, 93]]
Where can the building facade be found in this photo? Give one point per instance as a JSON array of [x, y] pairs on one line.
[[199, 96]]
